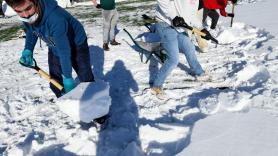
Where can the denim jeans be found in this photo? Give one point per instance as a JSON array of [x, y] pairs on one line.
[[80, 59], [174, 42]]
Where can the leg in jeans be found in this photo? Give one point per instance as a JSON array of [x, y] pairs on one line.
[[55, 72], [114, 20], [81, 63], [188, 49], [169, 42]]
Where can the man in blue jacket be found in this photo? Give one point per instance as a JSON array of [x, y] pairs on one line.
[[64, 35]]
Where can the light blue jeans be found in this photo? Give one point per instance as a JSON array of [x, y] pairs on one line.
[[174, 42]]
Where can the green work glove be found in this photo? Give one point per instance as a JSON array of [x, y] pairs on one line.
[[68, 84], [26, 57]]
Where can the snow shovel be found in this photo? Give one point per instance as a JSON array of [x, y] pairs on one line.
[[86, 102], [45, 75], [206, 35]]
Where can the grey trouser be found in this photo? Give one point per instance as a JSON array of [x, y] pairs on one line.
[[110, 19]]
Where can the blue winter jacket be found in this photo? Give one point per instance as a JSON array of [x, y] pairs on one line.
[[61, 32]]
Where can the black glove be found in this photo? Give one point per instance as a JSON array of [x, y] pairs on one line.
[[179, 22], [98, 6], [207, 36], [231, 15]]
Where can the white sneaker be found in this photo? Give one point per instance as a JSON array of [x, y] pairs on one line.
[[204, 77]]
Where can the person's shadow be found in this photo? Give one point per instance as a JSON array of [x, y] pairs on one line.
[[122, 127], [97, 61]]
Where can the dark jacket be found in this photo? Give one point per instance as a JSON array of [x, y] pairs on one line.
[[60, 30]]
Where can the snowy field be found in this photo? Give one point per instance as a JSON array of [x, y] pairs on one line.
[[234, 114]]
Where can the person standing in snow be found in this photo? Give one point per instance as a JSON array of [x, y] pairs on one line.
[[110, 19], [210, 7], [170, 15], [64, 35]]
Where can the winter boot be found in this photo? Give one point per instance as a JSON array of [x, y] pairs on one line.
[[114, 42], [101, 122], [105, 47]]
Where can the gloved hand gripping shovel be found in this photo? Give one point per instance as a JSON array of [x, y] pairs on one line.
[[45, 75], [203, 33], [86, 102]]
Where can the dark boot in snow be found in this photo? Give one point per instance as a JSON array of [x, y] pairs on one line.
[[105, 47], [101, 122], [114, 42]]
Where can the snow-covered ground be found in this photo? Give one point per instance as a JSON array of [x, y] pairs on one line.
[[233, 114]]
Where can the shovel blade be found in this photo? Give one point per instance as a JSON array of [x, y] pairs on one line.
[[86, 102]]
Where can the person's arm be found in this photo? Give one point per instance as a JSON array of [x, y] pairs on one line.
[[58, 31], [165, 11], [31, 38], [223, 12]]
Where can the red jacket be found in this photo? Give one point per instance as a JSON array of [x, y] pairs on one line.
[[216, 4]]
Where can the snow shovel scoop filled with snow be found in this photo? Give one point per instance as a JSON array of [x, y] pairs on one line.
[[86, 102]]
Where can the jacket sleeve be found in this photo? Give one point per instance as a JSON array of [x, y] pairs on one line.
[[165, 11], [31, 38], [58, 31], [223, 12]]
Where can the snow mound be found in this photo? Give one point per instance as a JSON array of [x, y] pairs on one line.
[[226, 101], [252, 74]]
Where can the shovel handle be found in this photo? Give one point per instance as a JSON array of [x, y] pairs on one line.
[[54, 82], [44, 74], [197, 31], [233, 11]]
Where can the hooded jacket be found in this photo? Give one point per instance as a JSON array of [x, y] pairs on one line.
[[60, 30], [216, 4]]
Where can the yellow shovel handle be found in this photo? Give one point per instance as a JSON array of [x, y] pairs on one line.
[[197, 31], [54, 82]]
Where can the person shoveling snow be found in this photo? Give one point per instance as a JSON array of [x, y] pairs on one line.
[[67, 44]]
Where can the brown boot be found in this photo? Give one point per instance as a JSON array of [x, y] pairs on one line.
[[105, 47], [114, 42], [156, 90]]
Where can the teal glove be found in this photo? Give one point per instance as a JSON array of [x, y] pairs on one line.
[[26, 57], [68, 84]]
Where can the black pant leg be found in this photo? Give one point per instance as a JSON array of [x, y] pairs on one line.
[[81, 62], [55, 72]]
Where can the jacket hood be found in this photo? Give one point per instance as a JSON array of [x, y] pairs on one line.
[[47, 7]]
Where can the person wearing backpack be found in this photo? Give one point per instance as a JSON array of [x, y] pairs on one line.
[[210, 7], [110, 19]]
